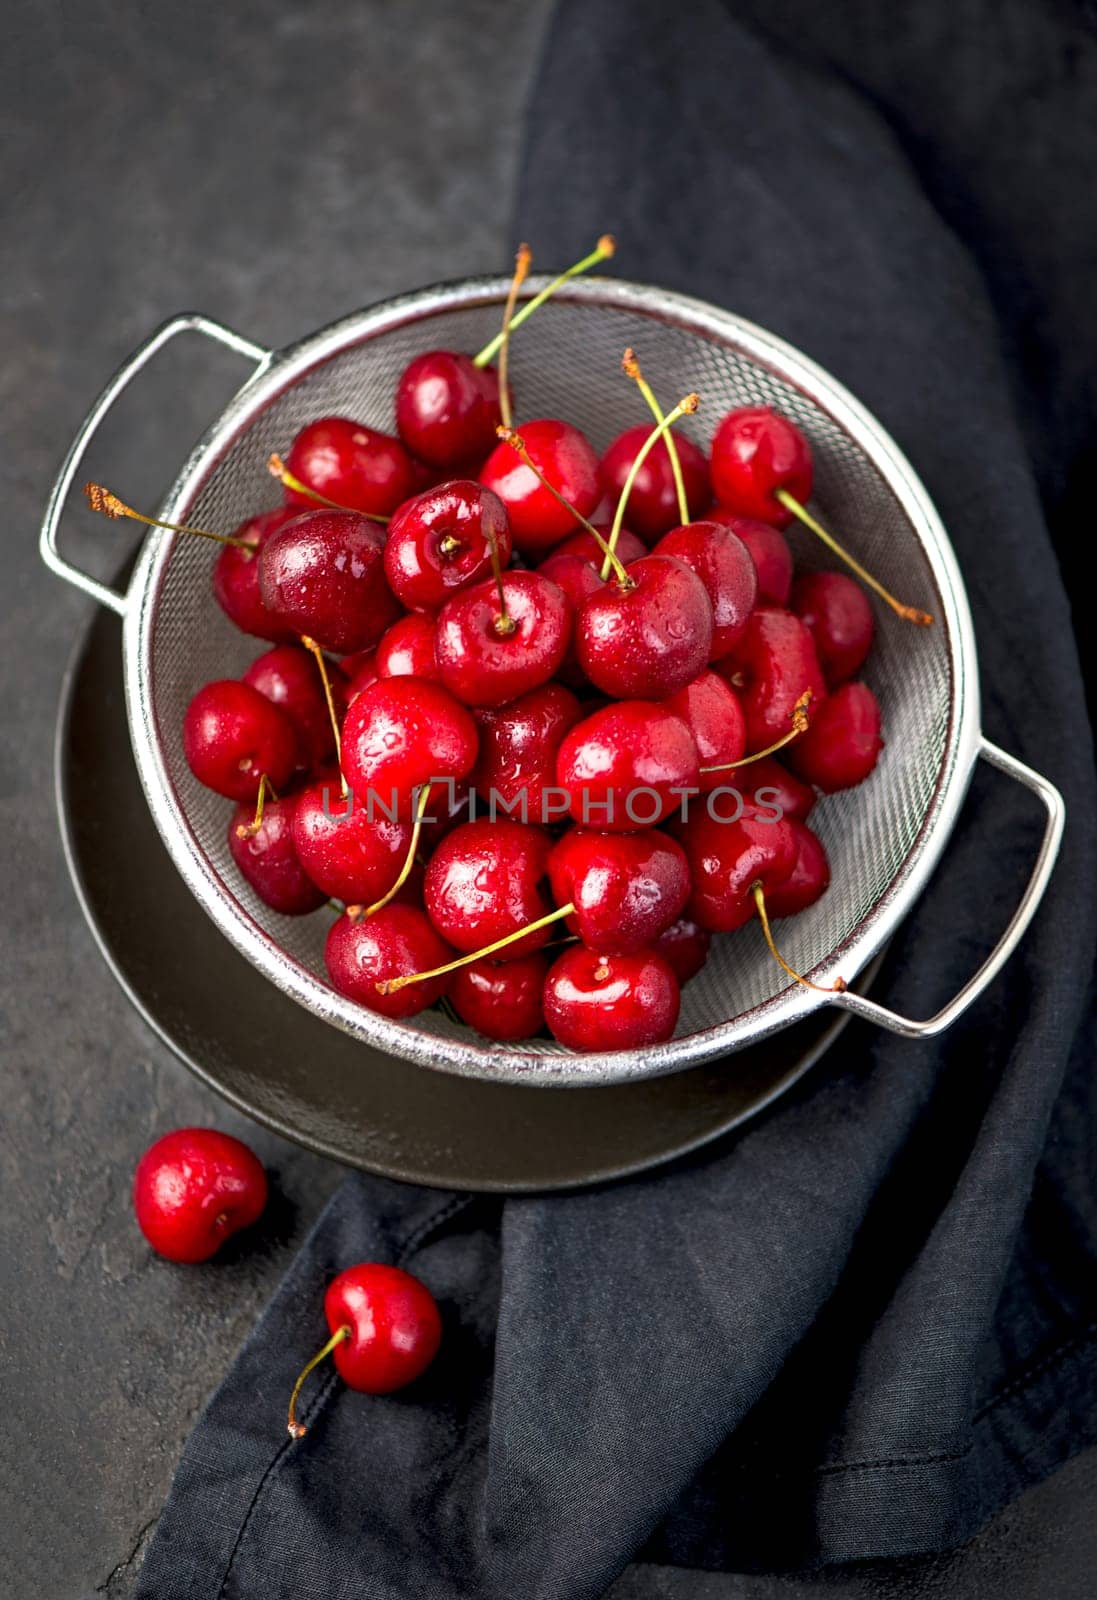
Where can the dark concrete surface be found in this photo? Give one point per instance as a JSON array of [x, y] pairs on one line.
[[275, 166]]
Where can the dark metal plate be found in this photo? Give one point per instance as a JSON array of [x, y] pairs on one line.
[[304, 1078]]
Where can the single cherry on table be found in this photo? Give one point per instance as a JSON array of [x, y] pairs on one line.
[[193, 1189]]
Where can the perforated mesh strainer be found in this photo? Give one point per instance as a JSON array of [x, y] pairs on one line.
[[883, 838]]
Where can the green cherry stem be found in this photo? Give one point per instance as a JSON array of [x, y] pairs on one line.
[[632, 370], [602, 251], [297, 1430], [522, 263], [278, 469], [248, 830], [391, 985], [685, 406], [837, 987], [802, 514], [318, 655], [518, 444], [356, 912], [109, 505]]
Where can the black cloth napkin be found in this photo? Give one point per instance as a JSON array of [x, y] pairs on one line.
[[869, 1321]]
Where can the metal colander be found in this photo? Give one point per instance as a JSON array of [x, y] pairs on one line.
[[883, 838]]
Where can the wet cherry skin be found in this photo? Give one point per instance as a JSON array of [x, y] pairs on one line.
[[769, 550], [583, 543], [755, 451], [193, 1189], [843, 744], [355, 466], [402, 732], [362, 952], [726, 859], [486, 880], [771, 791], [395, 1327], [235, 579], [653, 503], [268, 858], [483, 665], [710, 709], [596, 1002], [578, 578], [772, 666], [649, 636], [624, 748], [722, 562], [233, 735], [289, 677], [627, 888], [501, 999], [406, 650], [447, 409], [685, 947], [518, 747], [807, 881], [323, 574], [347, 852], [566, 458], [836, 612], [441, 542]]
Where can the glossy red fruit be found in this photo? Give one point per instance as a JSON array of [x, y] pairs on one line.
[[837, 614], [518, 746], [355, 466], [653, 503], [808, 880], [441, 541], [710, 709], [566, 458], [726, 859], [772, 666], [323, 574], [233, 735], [501, 999], [402, 732], [359, 670], [268, 858], [843, 744], [770, 791], [350, 851], [406, 650], [754, 452], [395, 1327], [627, 888], [289, 677], [235, 579], [397, 940], [596, 1002], [484, 663], [193, 1189], [625, 767], [578, 578], [485, 881], [447, 408], [583, 543], [685, 947], [722, 562], [648, 637], [769, 550]]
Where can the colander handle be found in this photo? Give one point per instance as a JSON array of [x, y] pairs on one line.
[[1026, 910], [187, 322]]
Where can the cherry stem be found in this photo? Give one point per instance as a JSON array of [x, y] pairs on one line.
[[799, 716], [391, 985], [601, 252], [356, 912], [278, 469], [688, 404], [109, 505], [837, 987], [314, 649], [248, 830], [518, 444], [908, 613], [522, 263], [632, 370], [297, 1430]]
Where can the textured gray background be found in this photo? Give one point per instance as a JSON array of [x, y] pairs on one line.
[[275, 166]]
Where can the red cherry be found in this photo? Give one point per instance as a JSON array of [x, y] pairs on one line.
[[726, 859], [233, 735], [769, 550], [843, 744], [649, 637], [723, 564], [193, 1189], [235, 579], [502, 999], [627, 888], [836, 612], [754, 452], [625, 767], [406, 650], [357, 467], [323, 573], [578, 578], [710, 709], [268, 859], [487, 659], [518, 746], [769, 790], [441, 542], [596, 1002], [772, 666], [289, 677], [583, 543], [447, 408], [684, 946], [351, 851], [398, 939], [653, 504], [538, 520], [808, 879], [359, 670], [402, 732], [485, 882]]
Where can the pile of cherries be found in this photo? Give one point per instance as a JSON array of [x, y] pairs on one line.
[[457, 614]]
